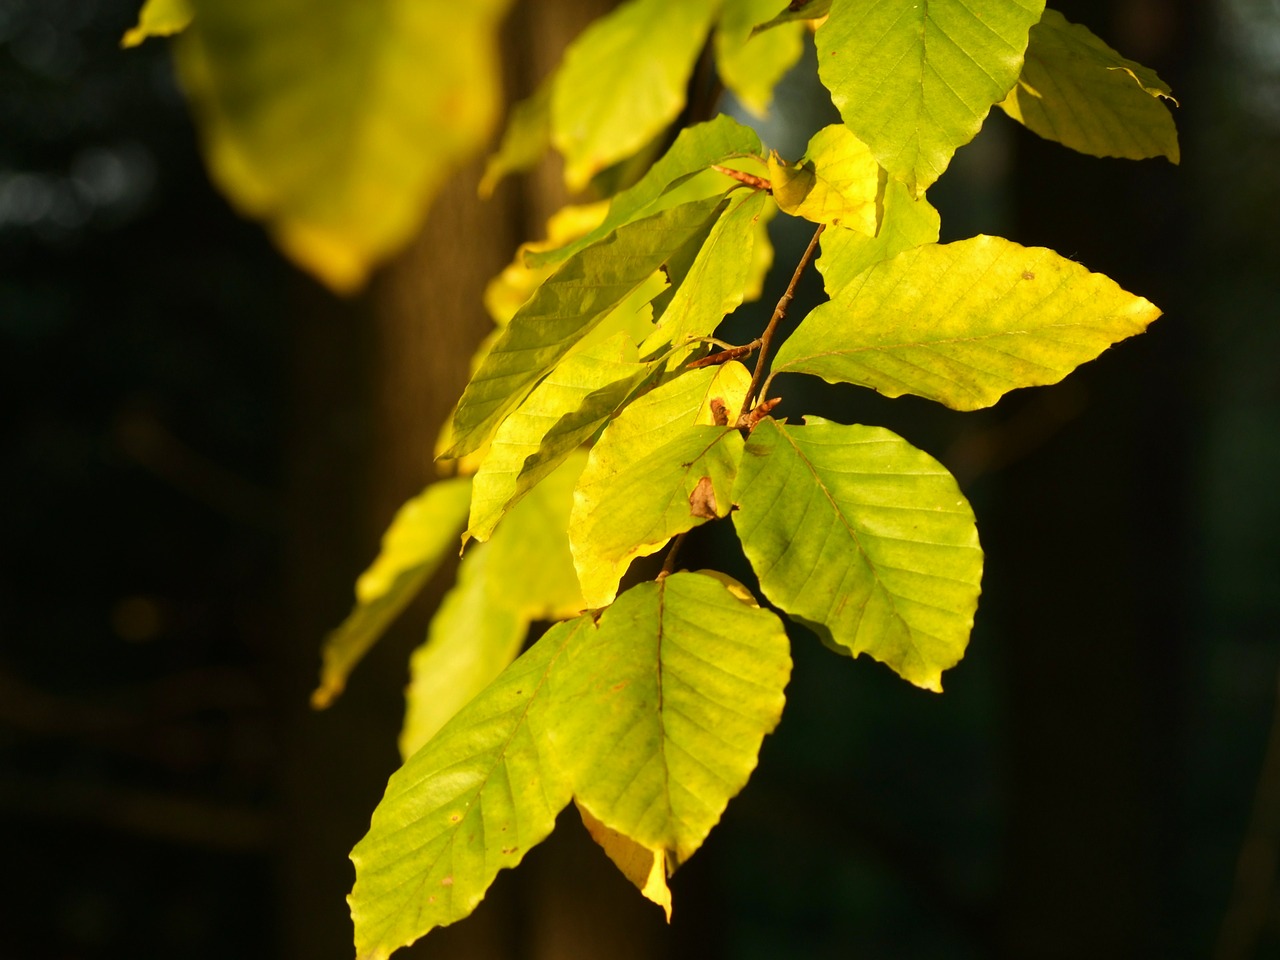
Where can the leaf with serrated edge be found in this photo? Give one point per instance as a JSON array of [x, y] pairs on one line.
[[471, 802], [751, 65], [695, 149], [159, 18], [964, 323], [905, 223], [863, 538], [416, 542], [645, 868], [567, 307], [1078, 91], [914, 79], [837, 181], [623, 80], [665, 706]]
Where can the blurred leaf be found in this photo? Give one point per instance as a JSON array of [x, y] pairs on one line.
[[159, 18], [338, 128], [623, 81], [751, 65], [645, 868], [863, 538], [419, 538], [836, 182], [1078, 91], [913, 80], [664, 707], [795, 10], [964, 323], [524, 141], [904, 223], [471, 802]]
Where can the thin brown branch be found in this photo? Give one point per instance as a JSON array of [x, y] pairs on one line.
[[750, 179], [724, 356], [779, 313]]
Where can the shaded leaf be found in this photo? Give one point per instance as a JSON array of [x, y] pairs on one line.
[[913, 79], [751, 65], [337, 130], [564, 309], [795, 10], [419, 538], [623, 81], [864, 539], [964, 323], [159, 18], [645, 868], [665, 706], [471, 802], [904, 223], [837, 181], [1078, 91]]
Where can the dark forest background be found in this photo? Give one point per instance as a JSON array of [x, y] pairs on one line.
[[201, 447]]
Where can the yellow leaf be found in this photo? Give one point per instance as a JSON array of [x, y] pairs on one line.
[[645, 868], [159, 18]]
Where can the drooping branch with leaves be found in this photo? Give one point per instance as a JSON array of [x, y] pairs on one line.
[[606, 416]]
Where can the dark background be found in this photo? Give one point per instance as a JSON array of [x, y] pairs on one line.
[[201, 447]]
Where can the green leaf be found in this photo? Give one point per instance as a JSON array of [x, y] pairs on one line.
[[623, 80], [863, 538], [795, 10], [838, 182], [905, 223], [716, 282], [1078, 91], [751, 65], [419, 538], [665, 706], [694, 151], [638, 488], [524, 573], [568, 306], [914, 79], [471, 802], [964, 323], [159, 18], [524, 141], [338, 129]]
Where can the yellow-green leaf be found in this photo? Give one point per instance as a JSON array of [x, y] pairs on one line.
[[914, 79], [964, 323], [864, 539], [645, 868], [159, 18], [418, 540], [793, 11], [338, 127], [1078, 91], [623, 80], [473, 801], [837, 182], [665, 706], [749, 64], [524, 141]]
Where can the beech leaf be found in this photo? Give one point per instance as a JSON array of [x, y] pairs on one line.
[[793, 11], [837, 181], [751, 65], [904, 223], [645, 868]]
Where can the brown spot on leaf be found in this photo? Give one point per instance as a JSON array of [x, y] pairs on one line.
[[1028, 275], [719, 412], [702, 502], [455, 817], [509, 850], [446, 882]]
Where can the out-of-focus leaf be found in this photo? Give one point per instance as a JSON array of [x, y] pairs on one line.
[[904, 223], [863, 538], [795, 10], [524, 141], [645, 868], [159, 18], [913, 79], [338, 127], [836, 182], [751, 65], [472, 802], [623, 80], [665, 706], [419, 538], [1078, 91], [564, 309], [964, 323]]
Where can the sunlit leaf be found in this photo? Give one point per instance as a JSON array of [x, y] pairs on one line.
[[635, 493], [904, 223], [525, 140], [623, 80], [471, 802], [568, 306], [751, 65], [964, 323], [837, 182], [793, 11], [338, 128], [863, 538], [1078, 91], [913, 79], [159, 18], [421, 535], [645, 868], [665, 706]]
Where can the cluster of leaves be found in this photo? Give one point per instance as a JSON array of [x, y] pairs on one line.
[[604, 419]]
